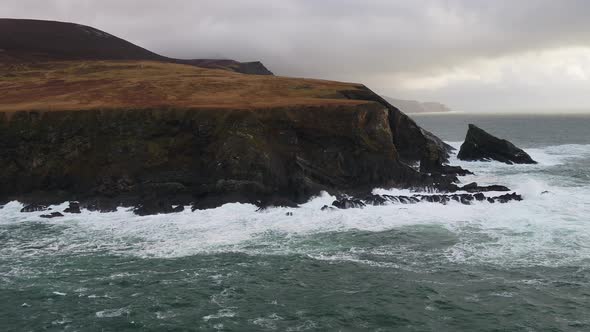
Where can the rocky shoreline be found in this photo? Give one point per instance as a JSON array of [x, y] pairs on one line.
[[160, 160], [157, 135]]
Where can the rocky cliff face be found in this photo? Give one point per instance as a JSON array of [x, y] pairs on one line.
[[207, 157], [414, 143], [109, 133]]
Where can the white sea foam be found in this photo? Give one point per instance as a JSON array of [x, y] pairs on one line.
[[545, 229], [222, 313], [111, 313], [269, 322]]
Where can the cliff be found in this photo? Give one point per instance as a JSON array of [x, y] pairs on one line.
[[123, 132], [25, 41]]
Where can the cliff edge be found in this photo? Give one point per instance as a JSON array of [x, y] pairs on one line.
[[126, 131]]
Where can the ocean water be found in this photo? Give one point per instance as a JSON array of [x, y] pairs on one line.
[[521, 266]]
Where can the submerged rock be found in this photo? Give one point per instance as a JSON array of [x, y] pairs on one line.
[[481, 146], [52, 215]]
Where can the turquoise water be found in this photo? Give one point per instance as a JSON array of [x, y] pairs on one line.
[[513, 267]]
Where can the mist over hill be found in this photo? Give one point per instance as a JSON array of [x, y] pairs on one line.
[[414, 106]]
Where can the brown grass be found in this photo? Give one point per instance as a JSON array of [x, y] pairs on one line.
[[83, 85]]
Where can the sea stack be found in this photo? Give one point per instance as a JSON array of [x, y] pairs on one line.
[[481, 146]]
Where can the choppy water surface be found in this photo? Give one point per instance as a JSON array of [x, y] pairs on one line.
[[513, 267]]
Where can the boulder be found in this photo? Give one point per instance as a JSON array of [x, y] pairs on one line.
[[479, 197], [481, 146], [508, 197]]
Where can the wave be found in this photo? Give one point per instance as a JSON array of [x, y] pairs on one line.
[[544, 229]]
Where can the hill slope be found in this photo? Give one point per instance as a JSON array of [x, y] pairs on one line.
[[84, 85], [37, 40]]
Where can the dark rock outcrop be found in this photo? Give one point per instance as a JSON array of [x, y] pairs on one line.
[[481, 146], [377, 200], [74, 208], [252, 68], [103, 204], [474, 187], [34, 208], [51, 215], [507, 198], [156, 206], [449, 170], [348, 203]]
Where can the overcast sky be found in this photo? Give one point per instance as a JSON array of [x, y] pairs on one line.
[[472, 55]]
